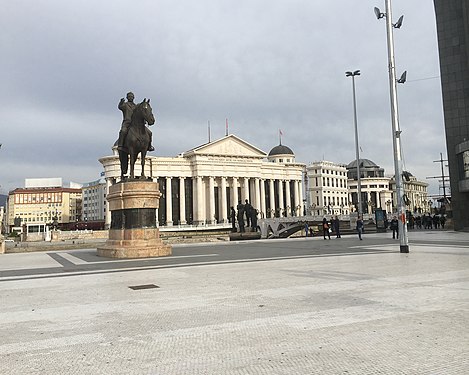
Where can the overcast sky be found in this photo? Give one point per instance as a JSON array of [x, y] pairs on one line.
[[264, 65]]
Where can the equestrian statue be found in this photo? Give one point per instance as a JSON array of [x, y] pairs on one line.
[[134, 137]]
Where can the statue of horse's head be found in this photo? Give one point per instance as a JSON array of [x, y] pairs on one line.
[[146, 111]]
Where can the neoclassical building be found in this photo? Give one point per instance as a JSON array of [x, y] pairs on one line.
[[200, 185], [326, 188], [378, 190]]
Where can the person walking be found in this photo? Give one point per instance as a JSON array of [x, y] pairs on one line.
[[336, 226], [394, 227], [360, 227], [325, 228]]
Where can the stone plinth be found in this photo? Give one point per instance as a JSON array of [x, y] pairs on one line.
[[133, 232]]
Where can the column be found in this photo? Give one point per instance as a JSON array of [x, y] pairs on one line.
[[169, 203], [257, 195], [262, 206], [235, 192], [296, 197], [300, 193], [199, 203], [182, 201], [246, 189], [280, 197], [272, 198], [155, 179], [211, 201], [107, 223], [224, 210], [287, 194]]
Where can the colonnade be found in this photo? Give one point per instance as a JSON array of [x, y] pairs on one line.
[[212, 198]]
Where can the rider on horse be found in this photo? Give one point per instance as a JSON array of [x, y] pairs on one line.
[[127, 109]]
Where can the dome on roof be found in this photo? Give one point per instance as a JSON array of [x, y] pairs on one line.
[[281, 150], [364, 163]]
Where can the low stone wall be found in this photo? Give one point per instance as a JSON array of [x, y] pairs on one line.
[[84, 235]]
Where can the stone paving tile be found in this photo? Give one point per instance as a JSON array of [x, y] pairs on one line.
[[386, 313]]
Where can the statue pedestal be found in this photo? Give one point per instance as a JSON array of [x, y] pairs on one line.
[[133, 232]]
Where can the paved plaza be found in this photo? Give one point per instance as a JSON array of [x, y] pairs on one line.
[[294, 306]]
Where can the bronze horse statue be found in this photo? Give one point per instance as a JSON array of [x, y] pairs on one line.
[[137, 139]]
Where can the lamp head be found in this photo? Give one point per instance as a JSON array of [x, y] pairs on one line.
[[398, 24], [378, 13], [403, 77], [351, 74]]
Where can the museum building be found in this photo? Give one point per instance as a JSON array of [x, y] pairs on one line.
[[199, 186]]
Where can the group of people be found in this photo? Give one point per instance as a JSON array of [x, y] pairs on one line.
[[246, 216], [334, 226], [427, 221]]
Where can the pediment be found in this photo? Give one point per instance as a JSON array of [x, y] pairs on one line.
[[228, 146]]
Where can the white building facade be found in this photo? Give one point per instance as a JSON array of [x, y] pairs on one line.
[[200, 185], [94, 200], [379, 191], [326, 189]]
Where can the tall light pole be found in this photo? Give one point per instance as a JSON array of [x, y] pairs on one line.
[[396, 132], [357, 153]]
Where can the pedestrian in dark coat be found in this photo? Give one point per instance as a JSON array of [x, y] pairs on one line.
[[336, 224], [325, 228], [360, 227], [394, 227]]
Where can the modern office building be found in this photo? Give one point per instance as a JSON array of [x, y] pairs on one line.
[[452, 18], [200, 185]]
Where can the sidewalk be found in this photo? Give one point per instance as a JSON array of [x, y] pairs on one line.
[[322, 307]]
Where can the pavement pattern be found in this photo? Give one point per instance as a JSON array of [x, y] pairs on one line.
[[294, 306]]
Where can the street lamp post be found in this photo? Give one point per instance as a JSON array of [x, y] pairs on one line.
[[357, 153], [396, 132]]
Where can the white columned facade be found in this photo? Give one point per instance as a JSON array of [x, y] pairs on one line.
[[211, 201], [257, 195], [245, 190], [199, 203], [296, 197], [280, 197], [182, 201], [262, 206], [233, 164], [300, 193], [287, 194], [169, 203], [235, 198], [106, 204], [272, 197], [224, 211]]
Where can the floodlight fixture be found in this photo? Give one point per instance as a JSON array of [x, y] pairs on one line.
[[378, 13], [403, 77], [352, 74], [398, 24]]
